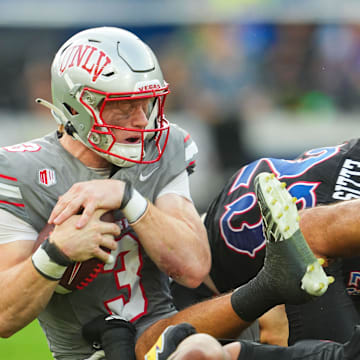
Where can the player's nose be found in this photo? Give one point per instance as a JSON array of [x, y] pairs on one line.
[[139, 118]]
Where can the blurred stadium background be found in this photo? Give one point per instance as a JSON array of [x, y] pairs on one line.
[[249, 78]]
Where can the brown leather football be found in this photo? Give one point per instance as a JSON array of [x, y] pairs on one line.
[[79, 274]]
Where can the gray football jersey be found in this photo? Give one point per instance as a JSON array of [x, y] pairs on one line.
[[33, 175]]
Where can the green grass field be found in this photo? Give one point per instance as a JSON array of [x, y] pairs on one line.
[[28, 344]]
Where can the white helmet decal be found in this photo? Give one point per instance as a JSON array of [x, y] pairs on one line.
[[147, 85]]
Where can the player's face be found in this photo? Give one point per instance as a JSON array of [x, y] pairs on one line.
[[131, 114]]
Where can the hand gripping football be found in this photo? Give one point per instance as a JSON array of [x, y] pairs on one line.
[[79, 274]]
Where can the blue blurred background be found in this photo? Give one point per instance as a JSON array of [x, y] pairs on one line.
[[249, 78]]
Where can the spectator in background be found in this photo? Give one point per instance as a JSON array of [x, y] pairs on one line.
[[335, 69], [221, 75]]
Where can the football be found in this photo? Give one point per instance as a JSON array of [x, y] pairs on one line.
[[79, 274]]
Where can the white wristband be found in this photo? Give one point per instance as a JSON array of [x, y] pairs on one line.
[[45, 266], [136, 207]]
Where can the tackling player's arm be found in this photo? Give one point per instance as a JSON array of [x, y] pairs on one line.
[[274, 326], [332, 230]]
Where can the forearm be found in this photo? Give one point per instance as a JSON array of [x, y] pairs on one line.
[[333, 230], [177, 247], [274, 326], [25, 293]]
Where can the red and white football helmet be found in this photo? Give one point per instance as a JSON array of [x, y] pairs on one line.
[[104, 64]]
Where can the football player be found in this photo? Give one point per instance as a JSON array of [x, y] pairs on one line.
[[320, 176], [108, 98]]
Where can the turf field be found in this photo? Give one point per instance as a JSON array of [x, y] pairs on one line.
[[27, 344]]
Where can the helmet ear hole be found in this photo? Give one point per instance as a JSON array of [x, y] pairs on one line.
[[70, 109]]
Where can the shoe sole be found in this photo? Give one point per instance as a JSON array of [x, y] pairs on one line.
[[281, 223]]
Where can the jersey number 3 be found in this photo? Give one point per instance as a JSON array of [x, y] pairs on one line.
[[127, 276]]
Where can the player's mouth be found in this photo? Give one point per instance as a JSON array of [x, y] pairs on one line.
[[132, 140]]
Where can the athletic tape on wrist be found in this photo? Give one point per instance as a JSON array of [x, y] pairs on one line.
[[128, 191], [49, 261], [134, 205]]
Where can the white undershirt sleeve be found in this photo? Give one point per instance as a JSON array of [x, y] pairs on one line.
[[179, 185], [12, 228]]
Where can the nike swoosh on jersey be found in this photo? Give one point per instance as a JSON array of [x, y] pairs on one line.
[[145, 177]]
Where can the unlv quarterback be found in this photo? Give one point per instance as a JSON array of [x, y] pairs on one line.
[[108, 99]]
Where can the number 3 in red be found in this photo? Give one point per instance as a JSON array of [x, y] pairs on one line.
[[128, 276]]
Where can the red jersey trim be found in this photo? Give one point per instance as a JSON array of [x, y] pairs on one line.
[[187, 138], [8, 177], [12, 203]]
